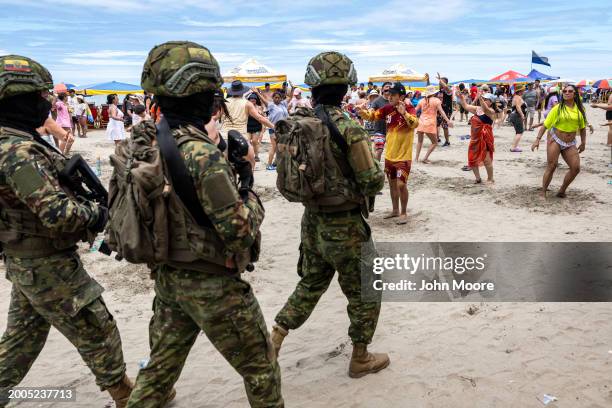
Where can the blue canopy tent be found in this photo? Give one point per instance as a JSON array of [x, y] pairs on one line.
[[112, 87], [535, 74], [470, 81]]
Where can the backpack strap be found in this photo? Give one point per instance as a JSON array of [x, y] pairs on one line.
[[179, 175], [333, 129], [345, 168]]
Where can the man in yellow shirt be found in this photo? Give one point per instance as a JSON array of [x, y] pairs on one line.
[[401, 121]]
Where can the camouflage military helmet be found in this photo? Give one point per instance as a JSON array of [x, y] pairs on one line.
[[20, 75], [330, 68], [180, 69]]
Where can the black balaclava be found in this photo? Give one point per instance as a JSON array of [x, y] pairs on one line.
[[25, 112], [329, 94], [195, 110]]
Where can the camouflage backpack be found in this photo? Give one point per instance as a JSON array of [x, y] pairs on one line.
[[307, 169], [149, 223]]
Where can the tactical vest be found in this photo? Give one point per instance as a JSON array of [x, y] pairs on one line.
[[193, 243], [22, 234]]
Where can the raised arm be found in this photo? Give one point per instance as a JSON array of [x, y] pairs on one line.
[[252, 111], [490, 112], [465, 105], [264, 98]]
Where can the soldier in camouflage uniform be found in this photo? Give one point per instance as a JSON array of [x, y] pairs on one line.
[[202, 295], [333, 237], [40, 224]]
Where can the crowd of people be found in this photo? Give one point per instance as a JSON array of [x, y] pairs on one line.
[[254, 112]]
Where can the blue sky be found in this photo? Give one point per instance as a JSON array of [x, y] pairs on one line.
[[87, 41]]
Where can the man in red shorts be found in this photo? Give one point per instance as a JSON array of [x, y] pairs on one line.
[[401, 120]]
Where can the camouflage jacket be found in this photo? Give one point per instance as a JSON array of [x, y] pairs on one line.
[[29, 181], [370, 179], [236, 222]]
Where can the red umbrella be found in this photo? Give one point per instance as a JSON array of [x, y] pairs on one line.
[[509, 76], [60, 88], [602, 84]]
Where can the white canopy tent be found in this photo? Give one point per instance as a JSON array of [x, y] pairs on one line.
[[399, 72], [252, 71]]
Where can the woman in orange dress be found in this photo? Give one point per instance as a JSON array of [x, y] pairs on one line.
[[480, 151], [430, 106]]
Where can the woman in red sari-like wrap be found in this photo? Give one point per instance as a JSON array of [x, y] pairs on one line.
[[480, 151]]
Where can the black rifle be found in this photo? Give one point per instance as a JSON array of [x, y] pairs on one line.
[[78, 177], [237, 148]]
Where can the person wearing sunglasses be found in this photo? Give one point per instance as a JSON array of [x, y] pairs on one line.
[[565, 120]]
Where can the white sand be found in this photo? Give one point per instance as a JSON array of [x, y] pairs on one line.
[[504, 355]]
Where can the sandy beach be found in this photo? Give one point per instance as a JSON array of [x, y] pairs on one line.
[[478, 355]]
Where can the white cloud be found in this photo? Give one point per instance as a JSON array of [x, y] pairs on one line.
[[244, 22], [36, 43], [100, 61], [109, 54]]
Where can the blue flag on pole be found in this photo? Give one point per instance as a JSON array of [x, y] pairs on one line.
[[536, 59]]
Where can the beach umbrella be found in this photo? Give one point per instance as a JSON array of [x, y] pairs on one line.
[[584, 82], [510, 76], [252, 71], [107, 88], [602, 84], [535, 74], [399, 73]]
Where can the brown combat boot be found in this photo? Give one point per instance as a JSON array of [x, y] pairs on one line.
[[121, 391], [364, 363], [277, 337]]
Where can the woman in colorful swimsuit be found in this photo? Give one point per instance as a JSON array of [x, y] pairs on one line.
[[565, 120], [482, 144]]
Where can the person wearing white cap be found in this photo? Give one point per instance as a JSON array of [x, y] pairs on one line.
[[298, 101], [481, 148]]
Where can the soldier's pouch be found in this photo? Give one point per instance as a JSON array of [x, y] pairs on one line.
[[19, 274], [96, 314], [84, 289]]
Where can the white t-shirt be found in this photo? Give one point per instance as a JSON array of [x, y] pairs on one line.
[[80, 109], [72, 104], [298, 103]]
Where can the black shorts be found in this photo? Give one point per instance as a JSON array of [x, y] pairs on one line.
[[609, 115], [517, 122], [254, 128]]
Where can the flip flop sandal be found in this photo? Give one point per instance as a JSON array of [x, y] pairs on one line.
[[388, 216]]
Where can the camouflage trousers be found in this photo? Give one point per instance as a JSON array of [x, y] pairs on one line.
[[333, 242], [225, 308], [57, 291]]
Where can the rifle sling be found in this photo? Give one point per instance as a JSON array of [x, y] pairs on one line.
[[335, 135], [182, 182]]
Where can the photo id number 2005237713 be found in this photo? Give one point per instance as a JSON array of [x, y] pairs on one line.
[[41, 394]]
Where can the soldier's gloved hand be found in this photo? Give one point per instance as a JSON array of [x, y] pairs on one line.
[[100, 222]]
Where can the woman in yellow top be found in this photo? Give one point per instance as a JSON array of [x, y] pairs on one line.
[[565, 120]]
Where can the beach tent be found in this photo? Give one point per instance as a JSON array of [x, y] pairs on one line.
[[510, 76], [535, 74], [252, 71], [107, 88], [470, 81], [401, 73]]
